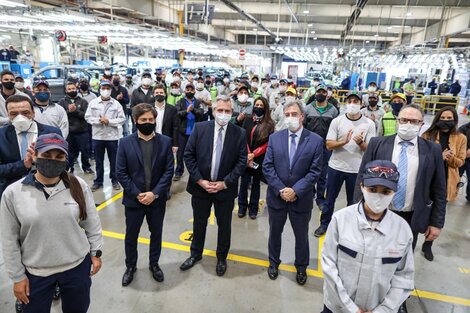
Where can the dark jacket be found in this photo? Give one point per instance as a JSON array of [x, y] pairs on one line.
[[130, 168], [198, 159], [171, 124], [303, 175], [465, 129], [77, 122], [443, 88], [433, 86], [455, 89], [182, 113], [125, 99], [317, 122], [138, 97], [430, 197], [11, 165]]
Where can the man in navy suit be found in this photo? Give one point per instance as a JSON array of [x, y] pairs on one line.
[[292, 166], [216, 156], [144, 169], [16, 157], [421, 195]]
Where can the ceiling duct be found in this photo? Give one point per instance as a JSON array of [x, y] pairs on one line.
[[360, 4]]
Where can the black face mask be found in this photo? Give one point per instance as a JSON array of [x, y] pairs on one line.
[[189, 95], [159, 98], [442, 125], [146, 128], [9, 85], [258, 111], [320, 98], [72, 94], [159, 78], [50, 168], [396, 106], [129, 81], [116, 82], [373, 103], [84, 87]]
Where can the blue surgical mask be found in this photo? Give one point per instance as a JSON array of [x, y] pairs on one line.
[[42, 96]]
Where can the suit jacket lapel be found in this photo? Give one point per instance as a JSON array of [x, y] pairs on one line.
[[285, 141], [423, 152], [156, 148], [136, 146], [165, 116], [13, 140], [228, 133], [303, 141], [390, 145]]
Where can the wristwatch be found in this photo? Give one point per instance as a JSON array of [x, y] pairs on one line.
[[96, 253]]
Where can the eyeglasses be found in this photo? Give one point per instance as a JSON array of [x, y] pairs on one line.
[[403, 121], [382, 172]]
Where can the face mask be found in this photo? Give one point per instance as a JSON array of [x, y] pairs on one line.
[[199, 86], [159, 98], [372, 89], [377, 202], [408, 131], [146, 81], [42, 96], [289, 99], [21, 123], [116, 82], [72, 94], [243, 98], [292, 123], [84, 87], [9, 85], [189, 95], [199, 74], [176, 79], [222, 119], [146, 129], [396, 106], [315, 84], [282, 89], [73, 75], [159, 78], [175, 92], [330, 93], [275, 82], [50, 168], [19, 85], [264, 85], [226, 80], [258, 111], [208, 83], [254, 85], [107, 73], [373, 103], [443, 125], [320, 98], [128, 81], [352, 108], [105, 93]]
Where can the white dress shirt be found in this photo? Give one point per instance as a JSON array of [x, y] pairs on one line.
[[297, 139], [160, 114], [413, 164], [32, 136], [216, 133]]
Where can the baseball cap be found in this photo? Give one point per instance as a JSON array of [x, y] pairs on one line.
[[50, 142], [41, 82], [146, 73], [398, 95], [158, 71], [129, 76], [244, 85], [354, 94], [291, 90], [322, 87], [381, 173], [373, 95], [396, 90], [106, 82], [189, 85], [283, 80]]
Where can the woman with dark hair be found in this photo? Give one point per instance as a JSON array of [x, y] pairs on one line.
[[259, 126], [443, 131], [51, 232]]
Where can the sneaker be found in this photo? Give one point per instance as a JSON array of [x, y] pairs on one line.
[[89, 171], [320, 231], [116, 186], [95, 187]]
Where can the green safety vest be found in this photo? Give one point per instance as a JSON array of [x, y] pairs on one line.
[[389, 123], [213, 92], [172, 100]]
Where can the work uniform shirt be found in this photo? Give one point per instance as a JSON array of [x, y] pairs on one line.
[[367, 264], [110, 109], [52, 115]]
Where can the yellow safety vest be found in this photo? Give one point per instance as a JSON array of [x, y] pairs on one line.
[[389, 123]]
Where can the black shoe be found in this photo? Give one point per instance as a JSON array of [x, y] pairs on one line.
[[320, 231], [241, 214], [252, 216], [116, 186], [301, 278], [157, 273], [128, 276], [177, 177], [95, 187], [190, 262], [403, 308], [19, 307], [273, 272], [89, 171], [428, 255], [56, 292], [221, 267]]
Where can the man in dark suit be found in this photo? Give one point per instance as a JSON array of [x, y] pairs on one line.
[[167, 116], [216, 156], [292, 166], [16, 155], [421, 195], [144, 168]]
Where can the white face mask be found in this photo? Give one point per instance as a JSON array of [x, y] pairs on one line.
[[377, 202], [175, 92], [226, 80], [283, 88], [275, 82], [289, 99], [105, 93], [372, 89], [19, 85], [408, 131], [222, 119], [107, 73], [146, 81], [264, 85], [243, 98], [200, 86], [255, 85], [329, 92], [315, 84], [176, 79], [353, 108], [21, 123], [292, 123]]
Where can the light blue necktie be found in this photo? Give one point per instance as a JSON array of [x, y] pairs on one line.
[[24, 144], [400, 195], [218, 154], [292, 149]]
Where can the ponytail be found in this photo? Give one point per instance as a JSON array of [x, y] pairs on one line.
[[76, 191]]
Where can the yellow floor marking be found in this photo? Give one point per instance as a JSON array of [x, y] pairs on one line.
[[108, 202], [464, 270], [320, 249]]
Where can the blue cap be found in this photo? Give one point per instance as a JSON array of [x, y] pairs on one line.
[[106, 82], [274, 76], [381, 173], [50, 142], [41, 82]]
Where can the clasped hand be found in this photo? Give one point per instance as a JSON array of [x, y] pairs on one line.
[[211, 186], [288, 194]]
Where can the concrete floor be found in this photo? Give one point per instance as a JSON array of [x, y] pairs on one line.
[[443, 285]]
